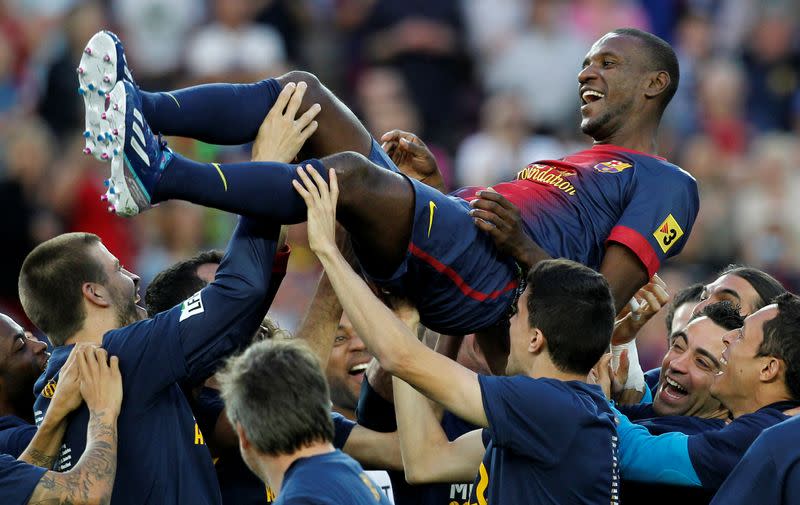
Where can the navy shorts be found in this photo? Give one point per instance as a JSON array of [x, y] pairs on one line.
[[452, 271]]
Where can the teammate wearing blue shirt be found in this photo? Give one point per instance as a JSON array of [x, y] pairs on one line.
[[769, 472], [758, 381], [75, 290], [563, 325], [617, 207], [98, 383], [22, 361], [287, 440]]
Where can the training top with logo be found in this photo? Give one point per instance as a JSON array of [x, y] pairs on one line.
[[15, 435], [574, 206], [162, 456], [333, 478], [17, 480], [644, 415], [769, 471], [548, 441]]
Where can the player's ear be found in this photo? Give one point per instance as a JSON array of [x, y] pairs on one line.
[[656, 82], [243, 440], [770, 369], [96, 294], [537, 341]]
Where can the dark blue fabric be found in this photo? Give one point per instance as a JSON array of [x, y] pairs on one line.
[[551, 442], [342, 427], [162, 456], [651, 378], [714, 454], [15, 435], [17, 480], [329, 479], [769, 472], [228, 114], [644, 414]]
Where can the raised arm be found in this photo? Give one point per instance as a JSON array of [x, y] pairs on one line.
[[91, 481], [428, 456], [388, 338]]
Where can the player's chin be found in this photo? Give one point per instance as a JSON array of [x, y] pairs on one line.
[[141, 313]]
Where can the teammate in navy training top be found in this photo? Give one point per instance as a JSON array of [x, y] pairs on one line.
[[17, 480], [616, 207], [288, 440], [163, 457], [22, 360], [769, 471], [552, 359]]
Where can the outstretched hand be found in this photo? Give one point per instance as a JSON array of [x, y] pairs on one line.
[[412, 157], [500, 218], [651, 298], [321, 202], [283, 134]]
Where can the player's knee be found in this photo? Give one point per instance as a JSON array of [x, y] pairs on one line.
[[315, 87], [350, 166]]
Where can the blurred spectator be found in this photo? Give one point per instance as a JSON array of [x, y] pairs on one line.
[[492, 26], [423, 41], [593, 18], [773, 71], [721, 105], [503, 146], [233, 47], [541, 66]]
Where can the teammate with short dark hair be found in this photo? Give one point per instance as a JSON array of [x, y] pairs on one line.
[[563, 325], [758, 382], [287, 440], [75, 290], [91, 480], [616, 207], [22, 361]]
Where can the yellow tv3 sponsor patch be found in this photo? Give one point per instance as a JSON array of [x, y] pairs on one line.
[[668, 233]]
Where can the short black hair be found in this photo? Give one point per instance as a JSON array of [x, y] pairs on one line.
[[766, 286], [724, 314], [51, 282], [686, 295], [173, 285], [278, 394], [572, 306], [661, 57], [782, 340]]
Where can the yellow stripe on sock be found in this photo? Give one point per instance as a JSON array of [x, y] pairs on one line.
[[173, 97], [224, 180]]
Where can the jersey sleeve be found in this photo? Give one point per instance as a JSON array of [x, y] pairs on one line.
[[754, 480], [526, 416], [17, 440], [187, 343], [660, 212], [342, 427], [661, 459], [715, 453], [375, 412], [17, 480]]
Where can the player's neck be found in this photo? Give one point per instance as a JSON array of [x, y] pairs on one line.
[[7, 408], [346, 412], [545, 369], [760, 398], [640, 138], [273, 468], [94, 327]]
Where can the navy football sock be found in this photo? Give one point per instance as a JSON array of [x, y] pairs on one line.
[[227, 114], [256, 189]]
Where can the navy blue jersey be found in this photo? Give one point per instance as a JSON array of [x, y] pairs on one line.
[[162, 455], [238, 485], [714, 454], [551, 442], [17, 480], [769, 471], [329, 479], [15, 435], [651, 378], [572, 207], [377, 414], [643, 414]]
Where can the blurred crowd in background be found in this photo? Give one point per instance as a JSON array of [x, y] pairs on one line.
[[490, 85]]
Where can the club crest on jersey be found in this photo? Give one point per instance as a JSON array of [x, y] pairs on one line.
[[49, 388], [611, 167], [668, 233]]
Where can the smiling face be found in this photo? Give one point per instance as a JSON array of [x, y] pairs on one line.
[[741, 365], [122, 285], [730, 288], [22, 360], [611, 85], [688, 370], [346, 366]]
